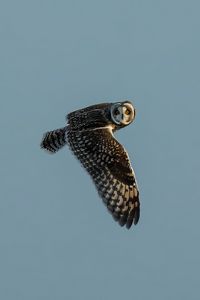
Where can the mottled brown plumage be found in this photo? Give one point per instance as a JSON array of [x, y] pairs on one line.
[[89, 134]]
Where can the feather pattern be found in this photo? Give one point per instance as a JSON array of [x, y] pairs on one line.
[[108, 164], [89, 134]]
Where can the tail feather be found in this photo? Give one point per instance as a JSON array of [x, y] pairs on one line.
[[54, 140]]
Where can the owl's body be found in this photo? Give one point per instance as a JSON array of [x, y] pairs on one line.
[[89, 134]]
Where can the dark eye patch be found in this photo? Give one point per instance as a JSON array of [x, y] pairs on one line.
[[116, 112]]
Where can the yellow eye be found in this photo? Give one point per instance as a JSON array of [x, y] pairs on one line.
[[127, 112]]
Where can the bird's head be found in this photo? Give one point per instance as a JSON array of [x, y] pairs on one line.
[[122, 113]]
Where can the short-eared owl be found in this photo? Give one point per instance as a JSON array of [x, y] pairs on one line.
[[89, 134]]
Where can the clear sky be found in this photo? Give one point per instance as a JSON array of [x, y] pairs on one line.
[[57, 240]]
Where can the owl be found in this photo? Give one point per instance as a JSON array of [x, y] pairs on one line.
[[89, 133]]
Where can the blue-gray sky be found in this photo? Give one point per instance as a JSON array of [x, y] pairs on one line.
[[57, 240]]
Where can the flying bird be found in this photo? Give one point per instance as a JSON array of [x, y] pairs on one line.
[[89, 135]]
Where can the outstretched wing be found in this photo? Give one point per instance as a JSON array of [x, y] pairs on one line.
[[108, 164]]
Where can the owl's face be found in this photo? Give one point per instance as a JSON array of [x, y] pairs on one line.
[[122, 113]]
